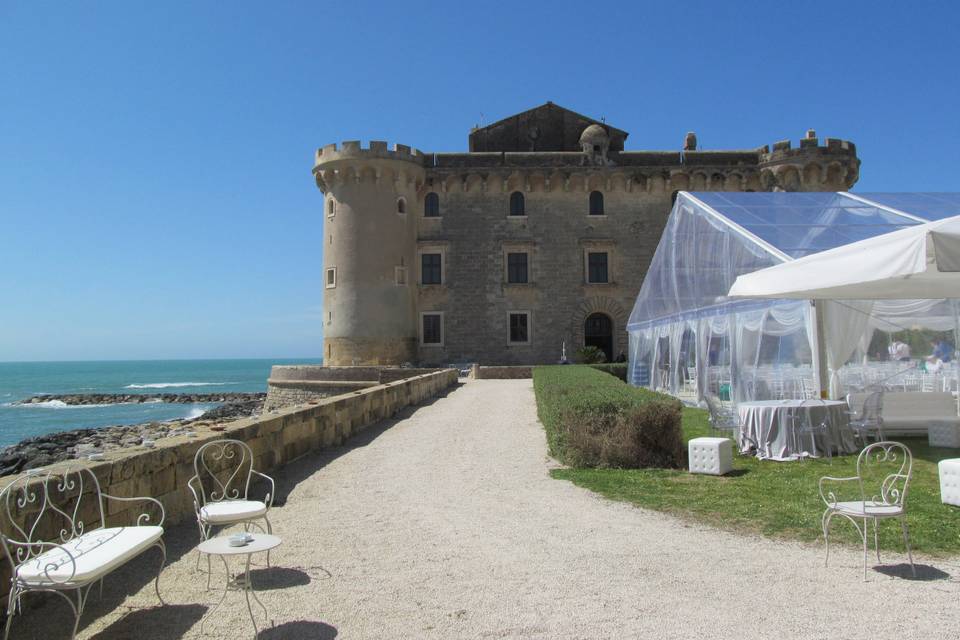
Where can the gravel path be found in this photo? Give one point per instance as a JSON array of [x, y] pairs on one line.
[[446, 524]]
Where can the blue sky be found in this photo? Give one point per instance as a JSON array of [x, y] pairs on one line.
[[155, 190]]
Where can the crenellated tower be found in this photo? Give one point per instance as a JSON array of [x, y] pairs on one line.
[[369, 253], [834, 166]]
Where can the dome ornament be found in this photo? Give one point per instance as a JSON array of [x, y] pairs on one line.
[[595, 143]]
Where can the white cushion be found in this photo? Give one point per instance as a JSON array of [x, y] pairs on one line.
[[713, 456], [95, 553], [868, 508], [911, 412], [950, 481], [232, 511], [943, 435]]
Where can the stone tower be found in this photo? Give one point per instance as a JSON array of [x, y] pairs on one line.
[[369, 252]]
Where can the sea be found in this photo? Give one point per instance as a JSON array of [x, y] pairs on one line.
[[21, 380]]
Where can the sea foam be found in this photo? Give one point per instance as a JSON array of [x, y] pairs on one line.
[[59, 404], [169, 385]]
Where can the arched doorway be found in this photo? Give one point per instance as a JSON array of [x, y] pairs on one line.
[[598, 332]]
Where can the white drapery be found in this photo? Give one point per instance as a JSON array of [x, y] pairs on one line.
[[844, 325]]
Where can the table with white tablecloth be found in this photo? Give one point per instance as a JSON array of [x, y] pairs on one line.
[[767, 428]]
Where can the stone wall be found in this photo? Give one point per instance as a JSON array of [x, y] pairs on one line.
[[503, 373], [295, 384], [275, 439]]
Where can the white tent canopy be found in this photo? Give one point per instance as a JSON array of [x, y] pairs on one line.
[[922, 261], [688, 336]]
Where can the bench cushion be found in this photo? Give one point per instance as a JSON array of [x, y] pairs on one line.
[[229, 511], [912, 412], [96, 554]]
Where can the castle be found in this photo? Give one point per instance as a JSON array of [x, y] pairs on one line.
[[539, 236]]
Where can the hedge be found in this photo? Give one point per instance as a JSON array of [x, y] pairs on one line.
[[592, 419]]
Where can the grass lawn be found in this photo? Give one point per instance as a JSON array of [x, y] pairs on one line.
[[779, 499]]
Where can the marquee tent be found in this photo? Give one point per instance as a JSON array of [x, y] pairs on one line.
[[688, 335], [922, 261]]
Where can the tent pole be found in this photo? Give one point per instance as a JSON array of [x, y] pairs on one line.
[[820, 357], [956, 337]]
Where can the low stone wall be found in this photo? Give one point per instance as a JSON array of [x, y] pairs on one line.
[[296, 384], [503, 373], [275, 438]]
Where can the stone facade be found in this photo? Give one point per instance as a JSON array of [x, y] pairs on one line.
[[384, 210]]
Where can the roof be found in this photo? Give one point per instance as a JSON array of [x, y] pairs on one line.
[[799, 224], [548, 127], [711, 238]]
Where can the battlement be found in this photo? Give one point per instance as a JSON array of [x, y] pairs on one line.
[[808, 147], [353, 149]]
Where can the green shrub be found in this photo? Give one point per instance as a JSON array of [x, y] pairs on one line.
[[594, 420], [618, 369], [591, 355]]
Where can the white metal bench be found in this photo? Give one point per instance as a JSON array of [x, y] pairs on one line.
[[56, 539]]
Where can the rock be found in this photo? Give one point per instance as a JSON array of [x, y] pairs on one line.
[[41, 460]]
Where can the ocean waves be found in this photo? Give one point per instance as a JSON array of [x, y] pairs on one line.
[[172, 385], [53, 404]]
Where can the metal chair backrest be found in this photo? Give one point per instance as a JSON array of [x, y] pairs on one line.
[[223, 469], [42, 507], [884, 470]]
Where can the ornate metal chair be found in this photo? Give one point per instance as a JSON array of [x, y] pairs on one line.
[[57, 539], [868, 422], [221, 489], [883, 478]]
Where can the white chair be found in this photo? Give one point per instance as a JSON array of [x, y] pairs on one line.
[[221, 489], [883, 478], [83, 552]]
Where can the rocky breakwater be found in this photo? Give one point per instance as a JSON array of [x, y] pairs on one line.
[[47, 449], [140, 398]]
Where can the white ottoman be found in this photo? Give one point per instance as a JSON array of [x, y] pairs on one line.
[[943, 434], [711, 455], [950, 481]]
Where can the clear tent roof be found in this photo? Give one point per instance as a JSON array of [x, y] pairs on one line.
[[711, 238]]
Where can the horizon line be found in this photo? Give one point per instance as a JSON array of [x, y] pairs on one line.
[[154, 360]]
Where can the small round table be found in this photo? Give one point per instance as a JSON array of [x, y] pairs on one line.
[[220, 546]]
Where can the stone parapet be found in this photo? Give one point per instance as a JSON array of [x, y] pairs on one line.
[[376, 163], [504, 373]]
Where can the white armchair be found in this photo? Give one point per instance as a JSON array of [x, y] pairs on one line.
[[877, 492], [36, 505], [221, 489]]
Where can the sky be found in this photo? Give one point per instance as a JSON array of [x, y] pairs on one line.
[[156, 199]]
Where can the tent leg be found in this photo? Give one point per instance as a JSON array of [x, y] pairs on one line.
[[820, 357]]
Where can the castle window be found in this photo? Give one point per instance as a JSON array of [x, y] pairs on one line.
[[401, 206], [596, 203], [598, 271], [431, 268], [431, 329], [331, 277], [518, 327], [331, 207], [517, 272], [517, 207], [400, 276], [431, 205]]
